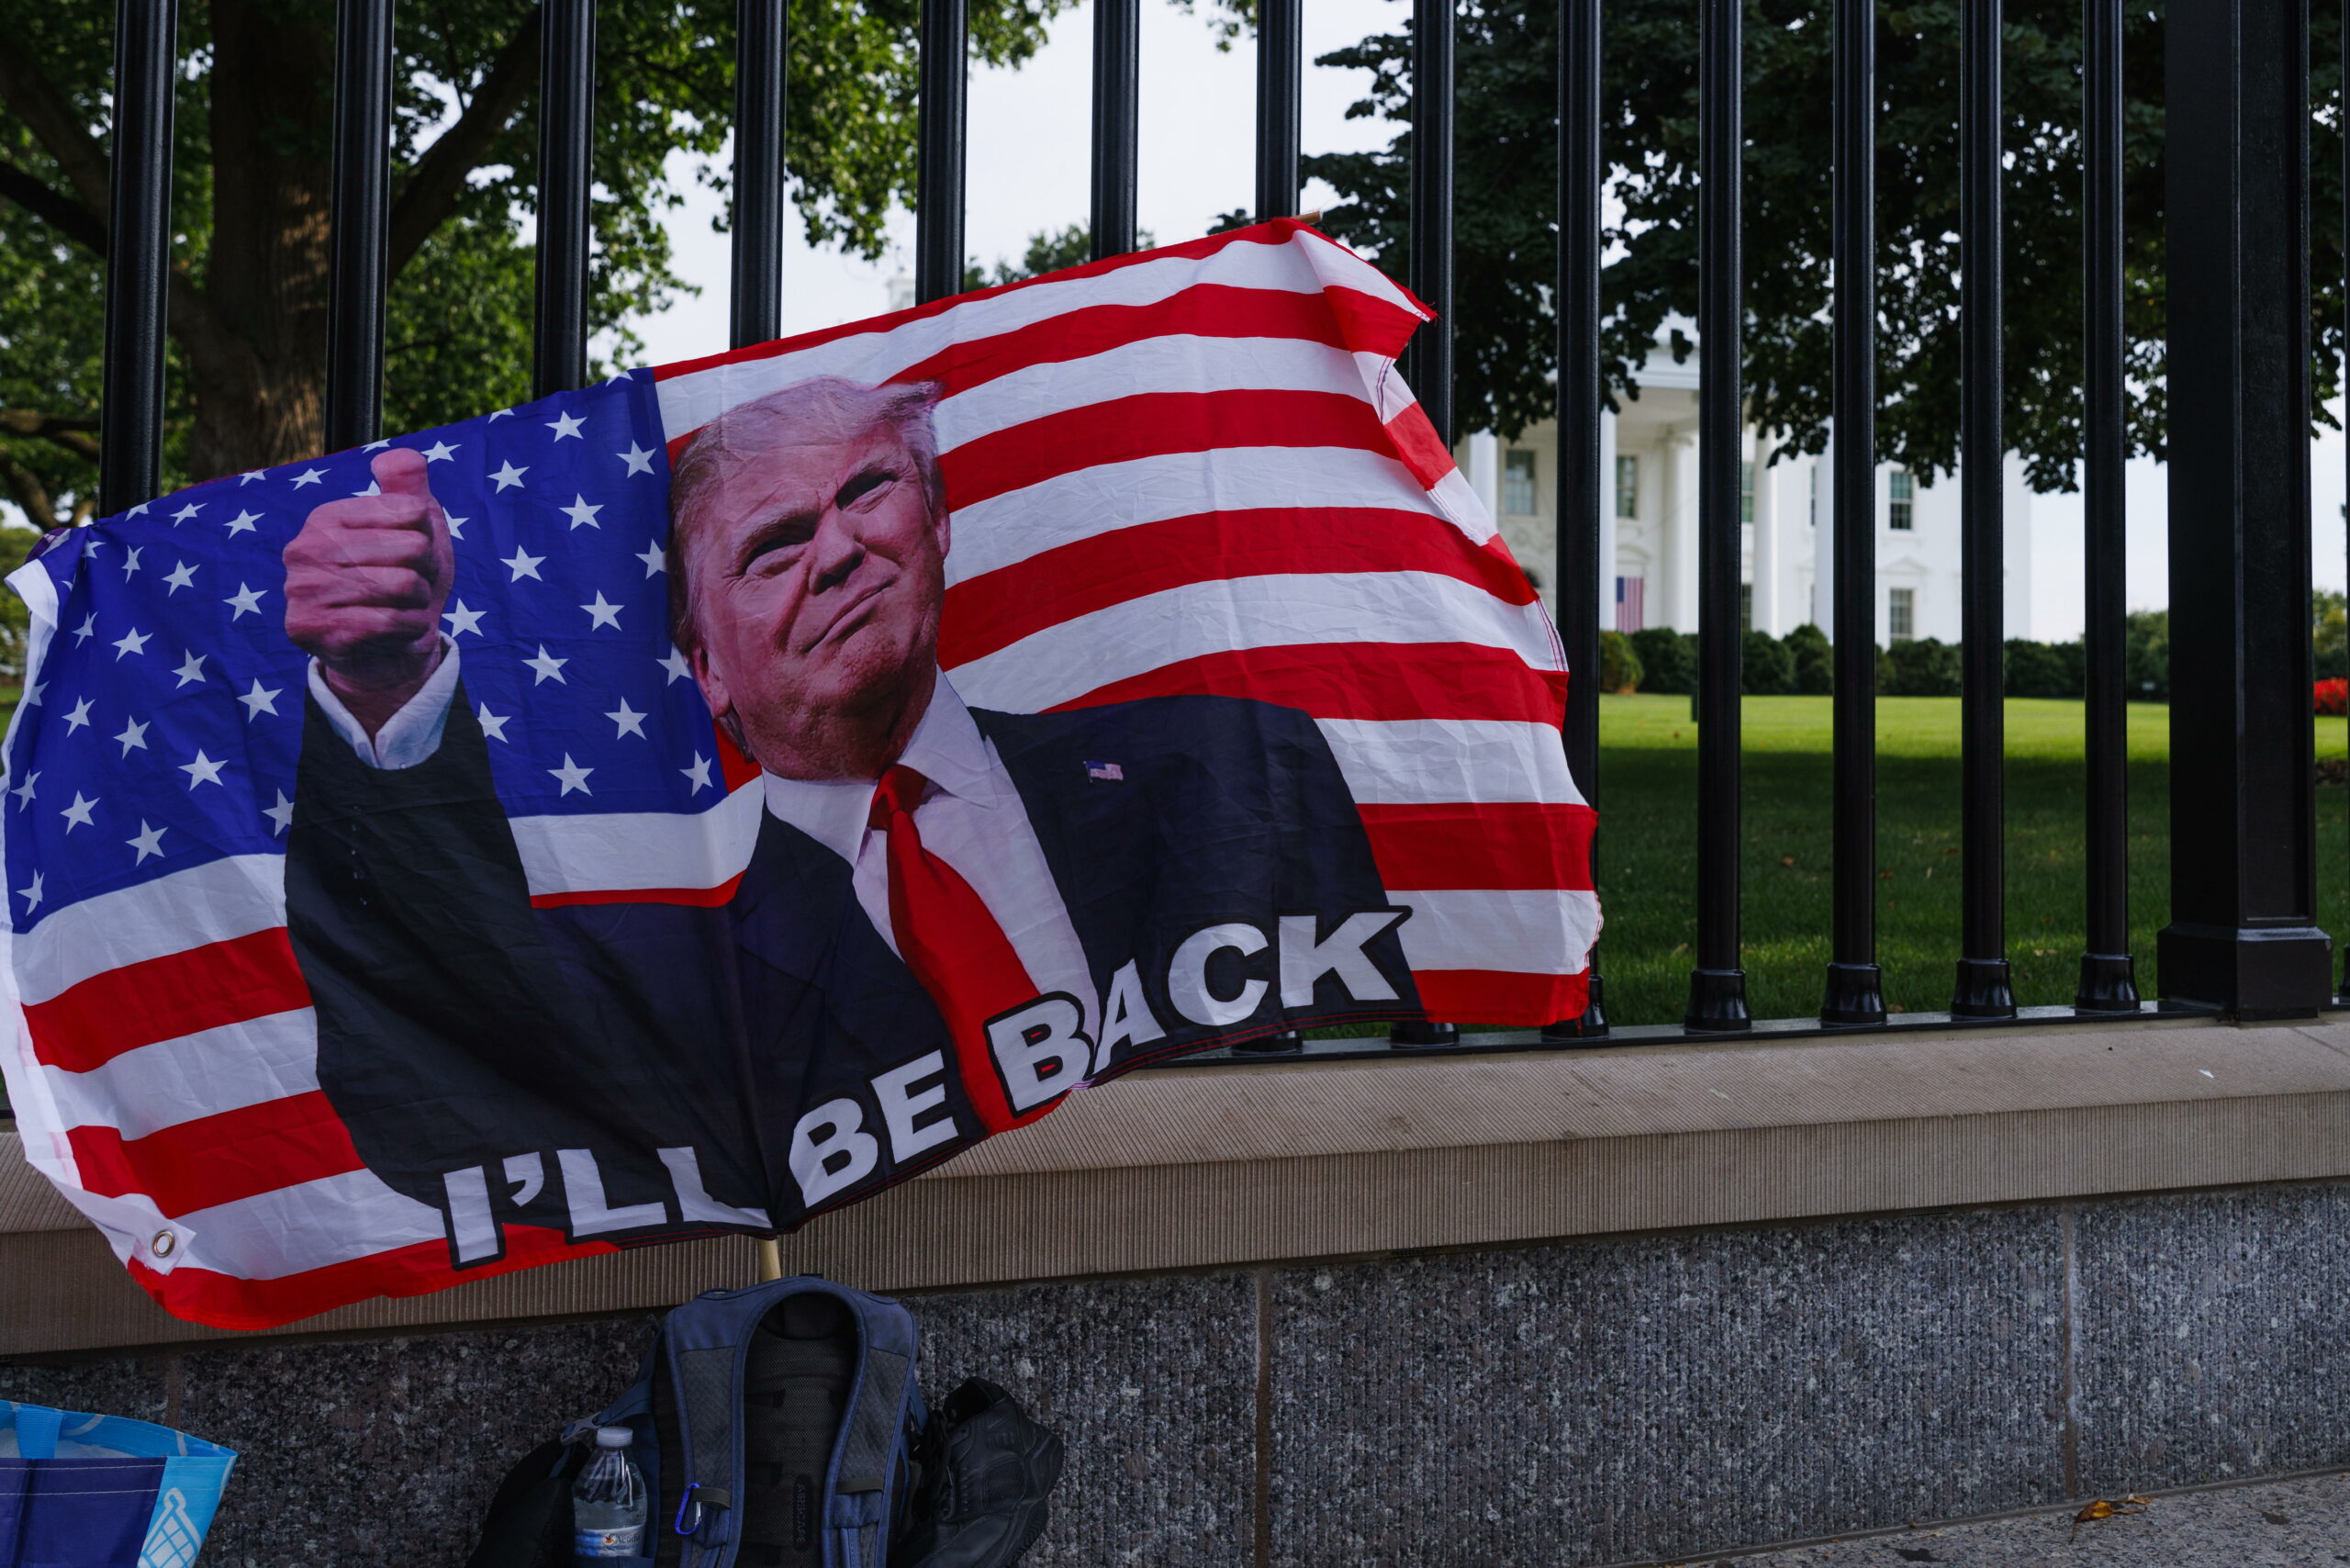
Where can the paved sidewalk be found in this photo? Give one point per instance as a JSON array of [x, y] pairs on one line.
[[2284, 1524]]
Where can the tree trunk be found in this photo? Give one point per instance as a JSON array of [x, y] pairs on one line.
[[257, 366]]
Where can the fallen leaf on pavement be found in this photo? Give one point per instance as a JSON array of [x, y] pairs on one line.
[[2102, 1510]]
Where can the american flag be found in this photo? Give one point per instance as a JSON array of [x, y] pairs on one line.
[[1631, 595], [1191, 470]]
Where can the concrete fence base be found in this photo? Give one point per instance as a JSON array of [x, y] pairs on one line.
[[1621, 1399]]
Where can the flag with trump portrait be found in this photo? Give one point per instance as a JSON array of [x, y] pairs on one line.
[[702, 800]]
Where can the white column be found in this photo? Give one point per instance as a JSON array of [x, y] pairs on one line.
[[2018, 531], [1766, 537], [1606, 586], [1485, 473], [1680, 533], [1823, 539]]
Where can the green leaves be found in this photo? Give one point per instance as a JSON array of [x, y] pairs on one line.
[[1508, 197], [248, 311]]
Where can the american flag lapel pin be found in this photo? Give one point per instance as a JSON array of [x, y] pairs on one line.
[[1106, 773]]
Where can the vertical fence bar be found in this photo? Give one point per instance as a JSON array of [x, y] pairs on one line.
[[2109, 976], [1428, 360], [1983, 989], [939, 153], [1117, 124], [1855, 992], [1280, 67], [138, 253], [1431, 372], [761, 36], [1717, 983], [2242, 934], [361, 207], [1582, 574], [2342, 121], [567, 113]]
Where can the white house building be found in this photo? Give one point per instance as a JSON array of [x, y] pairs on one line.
[[1649, 523]]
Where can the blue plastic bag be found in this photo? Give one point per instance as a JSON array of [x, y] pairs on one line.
[[103, 1491]]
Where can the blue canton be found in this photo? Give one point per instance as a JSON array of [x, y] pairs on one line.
[[166, 720]]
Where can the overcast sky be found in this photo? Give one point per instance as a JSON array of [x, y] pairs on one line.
[[1030, 148]]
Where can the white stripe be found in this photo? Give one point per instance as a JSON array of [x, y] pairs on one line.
[[196, 1075], [1421, 761], [216, 902], [1285, 610], [633, 851], [1390, 394], [308, 1226], [1090, 503], [271, 1235], [1176, 364], [1305, 264], [1540, 933], [28, 1092], [1459, 500]]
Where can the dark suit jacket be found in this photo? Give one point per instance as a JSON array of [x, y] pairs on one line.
[[459, 1025]]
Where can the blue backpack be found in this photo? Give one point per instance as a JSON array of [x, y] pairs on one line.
[[783, 1425]]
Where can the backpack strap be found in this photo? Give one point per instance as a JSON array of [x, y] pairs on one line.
[[708, 1392], [532, 1509], [868, 1463]]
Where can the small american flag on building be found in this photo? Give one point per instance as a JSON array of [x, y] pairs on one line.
[[1192, 473]]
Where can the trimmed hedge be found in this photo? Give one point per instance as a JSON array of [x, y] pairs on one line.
[[1661, 660], [1619, 665], [1668, 660]]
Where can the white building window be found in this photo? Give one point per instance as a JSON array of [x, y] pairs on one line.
[[1627, 486], [1903, 514], [1901, 612], [1746, 492], [1517, 482]]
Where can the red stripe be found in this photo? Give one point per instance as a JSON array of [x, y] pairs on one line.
[[1154, 424], [697, 898], [1204, 310], [1359, 680], [219, 1159], [1373, 325], [119, 1010], [1423, 450], [223, 1300], [1277, 232], [1496, 845], [996, 609], [1504, 997]]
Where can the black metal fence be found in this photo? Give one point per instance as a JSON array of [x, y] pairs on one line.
[[2243, 936]]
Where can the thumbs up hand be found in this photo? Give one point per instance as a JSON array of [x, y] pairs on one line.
[[365, 582]]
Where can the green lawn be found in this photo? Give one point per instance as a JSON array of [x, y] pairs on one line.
[[1648, 787], [1647, 781]]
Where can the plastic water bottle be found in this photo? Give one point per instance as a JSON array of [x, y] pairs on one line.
[[608, 1504]]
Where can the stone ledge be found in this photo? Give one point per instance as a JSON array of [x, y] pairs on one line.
[[1208, 1166]]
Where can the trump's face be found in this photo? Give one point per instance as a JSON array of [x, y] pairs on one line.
[[816, 571]]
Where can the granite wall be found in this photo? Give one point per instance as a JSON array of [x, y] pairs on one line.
[[1651, 1397]]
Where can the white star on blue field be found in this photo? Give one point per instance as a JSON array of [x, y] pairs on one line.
[[167, 721]]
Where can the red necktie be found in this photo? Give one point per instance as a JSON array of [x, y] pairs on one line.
[[953, 945]]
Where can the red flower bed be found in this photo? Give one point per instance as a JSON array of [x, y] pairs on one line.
[[2334, 698]]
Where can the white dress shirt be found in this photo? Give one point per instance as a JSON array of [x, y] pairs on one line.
[[972, 818]]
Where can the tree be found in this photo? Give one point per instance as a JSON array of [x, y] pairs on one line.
[[1507, 185], [249, 283], [1049, 252]]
